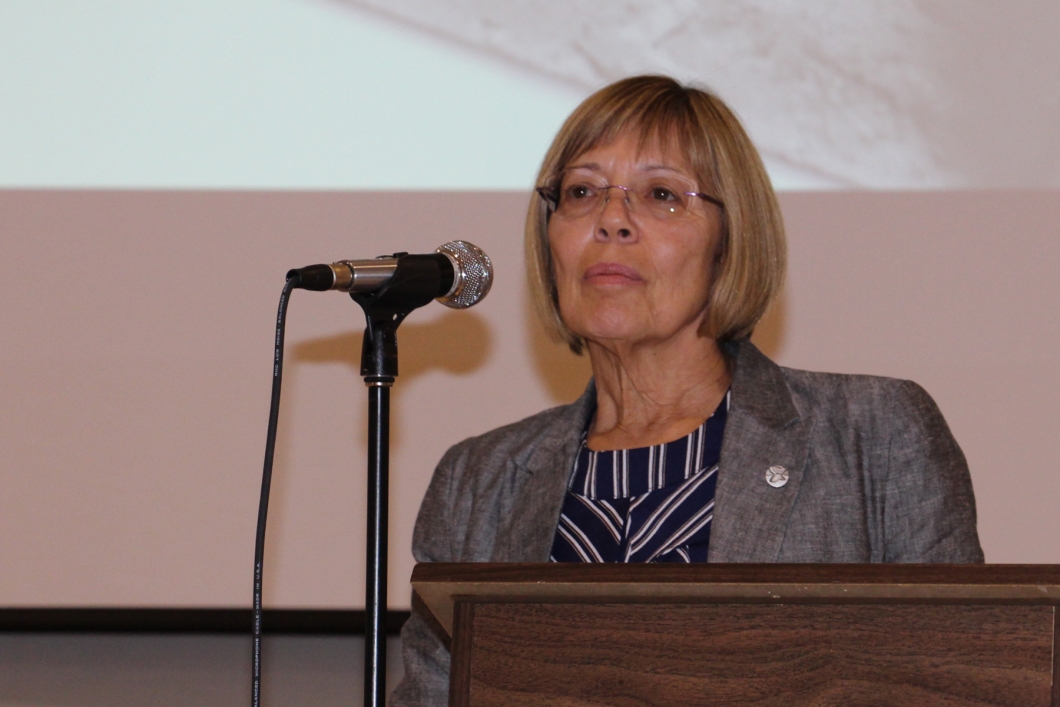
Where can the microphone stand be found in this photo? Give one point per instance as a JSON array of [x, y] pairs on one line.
[[415, 283]]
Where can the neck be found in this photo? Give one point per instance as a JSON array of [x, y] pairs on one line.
[[653, 393]]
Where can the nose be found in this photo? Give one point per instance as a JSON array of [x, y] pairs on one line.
[[614, 223]]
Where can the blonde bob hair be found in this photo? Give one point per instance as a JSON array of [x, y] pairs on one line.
[[749, 267]]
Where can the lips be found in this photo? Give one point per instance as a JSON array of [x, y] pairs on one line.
[[611, 274]]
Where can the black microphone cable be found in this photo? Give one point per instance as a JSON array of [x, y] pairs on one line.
[[266, 483]]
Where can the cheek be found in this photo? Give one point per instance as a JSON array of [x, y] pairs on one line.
[[688, 261], [563, 245], [685, 270]]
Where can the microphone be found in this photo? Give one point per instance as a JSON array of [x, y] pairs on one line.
[[462, 272]]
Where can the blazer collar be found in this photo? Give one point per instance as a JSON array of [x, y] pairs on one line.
[[764, 429], [544, 468]]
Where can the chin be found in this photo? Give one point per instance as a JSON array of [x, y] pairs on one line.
[[610, 323], [605, 331]]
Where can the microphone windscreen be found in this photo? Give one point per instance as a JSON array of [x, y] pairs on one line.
[[472, 274]]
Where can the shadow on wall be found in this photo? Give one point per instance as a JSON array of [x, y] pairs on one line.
[[458, 342]]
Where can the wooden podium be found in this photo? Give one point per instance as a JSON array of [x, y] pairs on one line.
[[791, 635]]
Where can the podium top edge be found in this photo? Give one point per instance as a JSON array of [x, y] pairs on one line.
[[439, 586], [711, 573]]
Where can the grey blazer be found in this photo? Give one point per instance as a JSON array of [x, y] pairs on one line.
[[874, 476]]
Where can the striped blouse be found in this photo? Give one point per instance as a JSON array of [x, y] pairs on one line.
[[649, 504]]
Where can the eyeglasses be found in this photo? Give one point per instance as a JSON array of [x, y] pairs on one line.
[[662, 198]]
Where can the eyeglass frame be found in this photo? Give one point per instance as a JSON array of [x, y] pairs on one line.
[[551, 196]]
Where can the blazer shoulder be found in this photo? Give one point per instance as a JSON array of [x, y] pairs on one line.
[[854, 394], [517, 440]]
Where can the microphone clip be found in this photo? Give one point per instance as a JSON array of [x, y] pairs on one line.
[[414, 283]]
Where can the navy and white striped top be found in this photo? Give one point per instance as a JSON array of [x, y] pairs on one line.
[[649, 504]]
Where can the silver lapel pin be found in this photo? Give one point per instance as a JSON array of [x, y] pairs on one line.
[[776, 476]]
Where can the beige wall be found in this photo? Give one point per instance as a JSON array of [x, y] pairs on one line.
[[134, 372]]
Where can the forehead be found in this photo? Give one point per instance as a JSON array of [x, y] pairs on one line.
[[633, 150]]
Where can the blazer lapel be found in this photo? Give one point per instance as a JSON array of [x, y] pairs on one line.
[[764, 429], [544, 472]]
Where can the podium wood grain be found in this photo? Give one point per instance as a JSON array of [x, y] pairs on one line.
[[720, 655], [790, 636]]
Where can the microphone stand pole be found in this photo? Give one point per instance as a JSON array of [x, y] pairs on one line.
[[375, 592], [415, 283]]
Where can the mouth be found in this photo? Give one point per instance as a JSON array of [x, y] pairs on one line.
[[611, 274]]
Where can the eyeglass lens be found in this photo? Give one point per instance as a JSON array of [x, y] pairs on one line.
[[662, 198]]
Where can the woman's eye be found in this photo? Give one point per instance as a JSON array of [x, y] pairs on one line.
[[662, 194], [579, 191]]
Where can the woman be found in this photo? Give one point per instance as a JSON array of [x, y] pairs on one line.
[[654, 245]]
